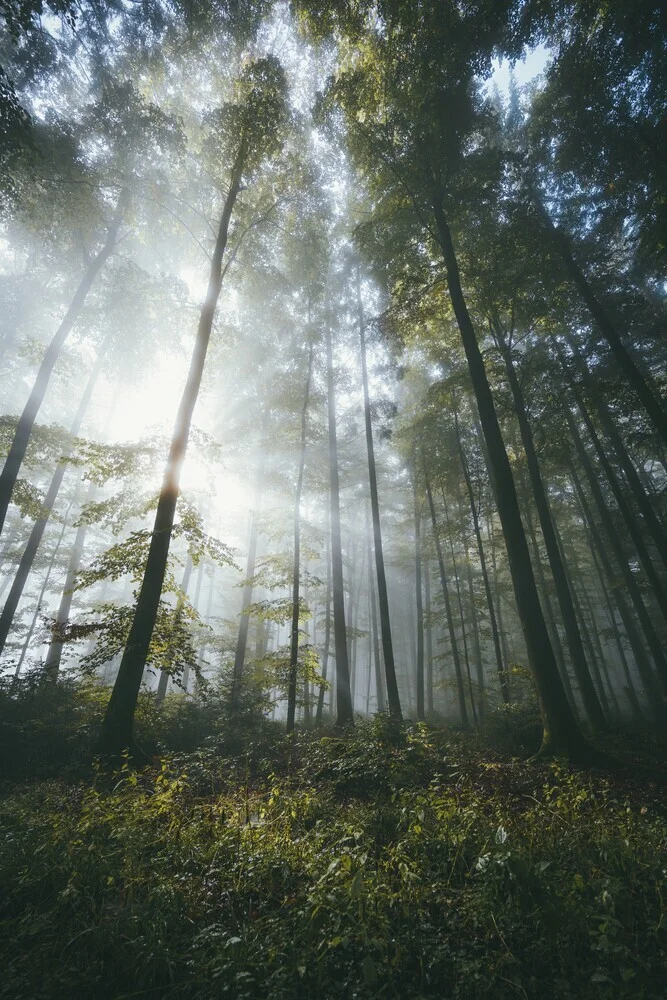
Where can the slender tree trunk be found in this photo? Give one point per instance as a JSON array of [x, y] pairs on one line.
[[327, 635], [649, 516], [499, 601], [185, 680], [610, 608], [377, 659], [28, 557], [242, 640], [118, 724], [294, 637], [345, 715], [429, 639], [548, 608], [502, 679], [463, 711], [648, 679], [383, 599], [561, 729], [40, 599], [479, 668], [163, 681], [635, 377], [27, 419], [558, 571], [654, 580], [654, 643], [459, 601], [55, 651], [418, 597]]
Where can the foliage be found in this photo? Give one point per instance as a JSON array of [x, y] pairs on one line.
[[438, 870]]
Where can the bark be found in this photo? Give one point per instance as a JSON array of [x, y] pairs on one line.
[[429, 639], [30, 551], [27, 419], [548, 608], [636, 378], [463, 711], [630, 690], [590, 699], [649, 516], [185, 679], [345, 716], [55, 651], [646, 674], [383, 599], [502, 679], [242, 640], [327, 636], [630, 522], [40, 599], [561, 730], [294, 638], [631, 584], [118, 725], [499, 602], [419, 600], [459, 601], [377, 660]]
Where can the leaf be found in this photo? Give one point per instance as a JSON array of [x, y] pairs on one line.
[[356, 885], [369, 970], [501, 835]]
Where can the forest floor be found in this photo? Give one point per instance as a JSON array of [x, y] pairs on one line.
[[395, 863]]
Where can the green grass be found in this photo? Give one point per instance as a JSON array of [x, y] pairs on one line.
[[394, 863]]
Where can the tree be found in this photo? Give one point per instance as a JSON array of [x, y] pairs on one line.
[[252, 130]]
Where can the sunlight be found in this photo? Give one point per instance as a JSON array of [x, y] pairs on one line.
[[150, 408]]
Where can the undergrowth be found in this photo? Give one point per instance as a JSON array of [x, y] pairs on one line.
[[389, 863]]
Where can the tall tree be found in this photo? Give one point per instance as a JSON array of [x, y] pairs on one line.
[[252, 130]]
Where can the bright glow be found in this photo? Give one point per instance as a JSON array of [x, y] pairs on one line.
[[151, 407]]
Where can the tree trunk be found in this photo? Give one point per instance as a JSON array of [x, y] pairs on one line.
[[242, 640], [28, 557], [40, 599], [118, 725], [630, 522], [377, 659], [649, 516], [185, 679], [590, 699], [327, 636], [463, 711], [459, 601], [630, 690], [646, 674], [654, 643], [548, 608], [418, 598], [27, 419], [561, 730], [55, 651], [345, 716], [383, 599], [163, 682], [294, 638], [429, 639], [502, 679], [637, 380]]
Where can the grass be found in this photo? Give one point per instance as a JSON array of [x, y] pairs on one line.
[[393, 863]]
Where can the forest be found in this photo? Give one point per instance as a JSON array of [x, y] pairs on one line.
[[333, 504]]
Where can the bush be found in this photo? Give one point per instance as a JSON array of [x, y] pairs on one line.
[[395, 862]]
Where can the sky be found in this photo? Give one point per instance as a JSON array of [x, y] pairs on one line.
[[524, 71]]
